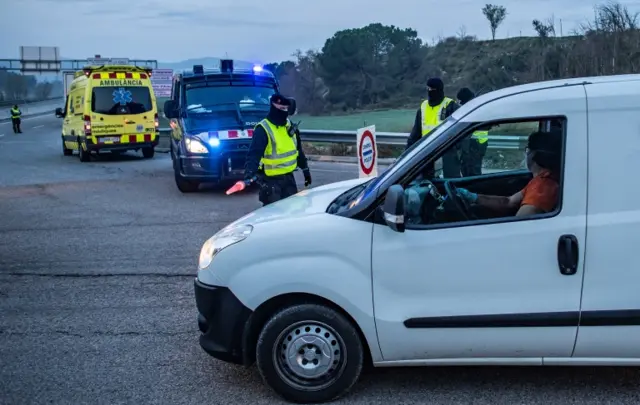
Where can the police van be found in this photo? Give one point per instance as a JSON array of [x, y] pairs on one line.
[[110, 108], [212, 113], [540, 271]]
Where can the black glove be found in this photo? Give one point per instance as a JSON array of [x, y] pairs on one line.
[[307, 177]]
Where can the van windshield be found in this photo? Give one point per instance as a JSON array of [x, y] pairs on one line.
[[121, 100], [406, 156], [206, 99]]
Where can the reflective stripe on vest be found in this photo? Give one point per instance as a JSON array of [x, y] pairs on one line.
[[481, 136], [281, 154], [15, 113], [432, 116]]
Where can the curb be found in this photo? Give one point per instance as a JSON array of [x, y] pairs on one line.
[[30, 115], [344, 159]]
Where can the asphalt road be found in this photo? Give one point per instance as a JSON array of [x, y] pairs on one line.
[[96, 297]]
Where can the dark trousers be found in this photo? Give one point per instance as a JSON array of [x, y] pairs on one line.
[[471, 156], [16, 125], [276, 188]]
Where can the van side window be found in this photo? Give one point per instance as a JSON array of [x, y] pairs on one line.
[[71, 110], [494, 171]]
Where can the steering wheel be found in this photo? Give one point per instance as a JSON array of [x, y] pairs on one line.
[[458, 202]]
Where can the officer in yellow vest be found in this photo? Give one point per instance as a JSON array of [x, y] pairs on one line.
[[435, 109], [15, 119], [473, 151], [275, 153]]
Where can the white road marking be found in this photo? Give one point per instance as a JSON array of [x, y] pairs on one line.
[[1, 135], [38, 126]]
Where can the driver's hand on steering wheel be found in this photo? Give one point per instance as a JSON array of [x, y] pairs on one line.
[[467, 195]]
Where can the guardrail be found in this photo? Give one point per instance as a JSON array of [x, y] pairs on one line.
[[11, 103], [496, 141]]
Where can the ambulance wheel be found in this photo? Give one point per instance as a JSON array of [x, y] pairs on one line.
[[65, 151], [309, 353], [185, 186], [148, 153], [85, 156]]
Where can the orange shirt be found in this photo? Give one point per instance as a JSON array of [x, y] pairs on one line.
[[541, 192]]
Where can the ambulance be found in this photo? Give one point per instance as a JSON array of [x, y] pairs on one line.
[[110, 108]]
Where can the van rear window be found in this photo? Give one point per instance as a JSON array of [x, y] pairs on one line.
[[120, 100]]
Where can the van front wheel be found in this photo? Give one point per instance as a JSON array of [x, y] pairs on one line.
[[309, 353]]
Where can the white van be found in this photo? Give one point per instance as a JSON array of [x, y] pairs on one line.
[[519, 268]]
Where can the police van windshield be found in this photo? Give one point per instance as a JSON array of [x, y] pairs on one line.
[[208, 99], [121, 100]]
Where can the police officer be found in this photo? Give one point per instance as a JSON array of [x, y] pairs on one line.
[[473, 151], [275, 152], [15, 119], [435, 109]]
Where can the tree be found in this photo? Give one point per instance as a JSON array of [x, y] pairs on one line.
[[495, 15], [366, 66], [544, 30]]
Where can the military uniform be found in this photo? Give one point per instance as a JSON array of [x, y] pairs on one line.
[[15, 119], [275, 153], [472, 150], [431, 113]]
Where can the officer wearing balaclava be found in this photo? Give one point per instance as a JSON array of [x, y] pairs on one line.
[[473, 149], [275, 153], [435, 109]]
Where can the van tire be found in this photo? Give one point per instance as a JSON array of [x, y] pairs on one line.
[[65, 151], [85, 156], [148, 153], [185, 186], [333, 336]]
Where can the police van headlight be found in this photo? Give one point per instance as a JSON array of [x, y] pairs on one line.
[[195, 146], [225, 238]]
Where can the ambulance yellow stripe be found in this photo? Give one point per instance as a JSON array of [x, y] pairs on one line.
[[120, 76]]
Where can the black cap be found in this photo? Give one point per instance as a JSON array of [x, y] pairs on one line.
[[280, 99]]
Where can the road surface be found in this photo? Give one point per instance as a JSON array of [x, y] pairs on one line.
[[97, 262]]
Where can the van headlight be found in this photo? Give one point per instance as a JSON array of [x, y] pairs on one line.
[[226, 237], [195, 146]]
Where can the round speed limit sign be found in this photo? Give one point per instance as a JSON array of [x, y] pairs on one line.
[[367, 152]]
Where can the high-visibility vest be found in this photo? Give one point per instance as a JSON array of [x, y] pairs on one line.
[[481, 136], [281, 154], [432, 116], [15, 113]]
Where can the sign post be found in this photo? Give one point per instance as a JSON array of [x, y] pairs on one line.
[[367, 152], [161, 81]]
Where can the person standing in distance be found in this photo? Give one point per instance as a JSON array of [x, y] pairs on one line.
[[473, 151], [435, 109], [15, 119], [275, 153]]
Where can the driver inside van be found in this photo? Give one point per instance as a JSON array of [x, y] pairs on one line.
[[543, 158]]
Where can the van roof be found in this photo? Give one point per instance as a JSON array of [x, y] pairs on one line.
[[508, 91], [87, 70], [218, 72]]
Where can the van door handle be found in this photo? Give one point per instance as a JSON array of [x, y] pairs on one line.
[[568, 254]]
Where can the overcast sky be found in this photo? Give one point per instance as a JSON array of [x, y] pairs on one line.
[[258, 31]]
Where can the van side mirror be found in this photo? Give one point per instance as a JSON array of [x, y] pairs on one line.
[[170, 109], [59, 113], [394, 208]]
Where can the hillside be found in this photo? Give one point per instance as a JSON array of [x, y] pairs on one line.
[[378, 66]]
